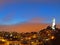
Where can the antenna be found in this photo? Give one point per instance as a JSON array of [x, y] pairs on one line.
[[53, 24]]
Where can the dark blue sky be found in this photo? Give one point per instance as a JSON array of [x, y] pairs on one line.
[[21, 11]]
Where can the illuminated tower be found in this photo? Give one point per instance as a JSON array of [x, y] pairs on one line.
[[53, 24]]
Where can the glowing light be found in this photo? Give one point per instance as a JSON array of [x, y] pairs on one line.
[[32, 42], [47, 39], [29, 38], [11, 35], [34, 36], [3, 40], [52, 37]]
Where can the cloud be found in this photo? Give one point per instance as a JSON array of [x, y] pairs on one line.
[[39, 1], [37, 20], [8, 17], [3, 2], [31, 1]]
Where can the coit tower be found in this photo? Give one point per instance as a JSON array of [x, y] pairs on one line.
[[53, 24]]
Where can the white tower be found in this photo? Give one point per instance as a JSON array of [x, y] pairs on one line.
[[53, 24]]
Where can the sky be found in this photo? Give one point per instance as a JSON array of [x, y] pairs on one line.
[[19, 11]]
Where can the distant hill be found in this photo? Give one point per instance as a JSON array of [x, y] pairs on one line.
[[26, 27]]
